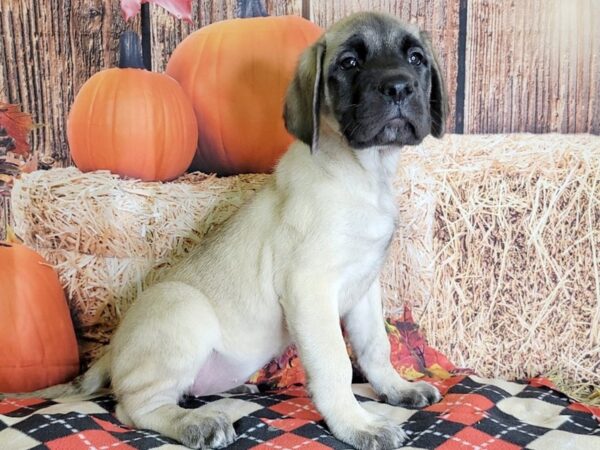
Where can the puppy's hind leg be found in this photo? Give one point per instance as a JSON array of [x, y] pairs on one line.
[[164, 340]]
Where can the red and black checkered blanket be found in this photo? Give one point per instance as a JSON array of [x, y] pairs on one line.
[[475, 413]]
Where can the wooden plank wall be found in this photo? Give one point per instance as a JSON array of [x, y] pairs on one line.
[[532, 65], [510, 66], [47, 51]]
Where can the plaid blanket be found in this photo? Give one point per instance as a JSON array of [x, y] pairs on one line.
[[475, 413]]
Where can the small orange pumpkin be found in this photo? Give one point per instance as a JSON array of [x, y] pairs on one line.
[[37, 341], [133, 122], [236, 73]]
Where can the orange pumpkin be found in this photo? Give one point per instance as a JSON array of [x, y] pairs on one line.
[[37, 341], [132, 122], [236, 73]]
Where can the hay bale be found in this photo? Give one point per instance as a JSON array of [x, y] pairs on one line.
[[101, 214], [516, 283], [497, 249]]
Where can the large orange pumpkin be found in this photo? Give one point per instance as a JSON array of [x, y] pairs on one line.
[[132, 122], [37, 341], [236, 73]]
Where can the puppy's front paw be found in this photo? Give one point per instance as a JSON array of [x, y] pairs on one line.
[[413, 395], [380, 434], [213, 430]]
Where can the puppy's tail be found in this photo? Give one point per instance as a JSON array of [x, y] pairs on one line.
[[96, 378]]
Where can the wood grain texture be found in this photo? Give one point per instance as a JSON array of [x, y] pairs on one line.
[[50, 48], [533, 65], [439, 18]]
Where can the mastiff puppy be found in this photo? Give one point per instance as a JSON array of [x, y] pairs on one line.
[[303, 254]]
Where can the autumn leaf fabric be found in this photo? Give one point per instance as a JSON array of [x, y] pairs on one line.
[[411, 356]]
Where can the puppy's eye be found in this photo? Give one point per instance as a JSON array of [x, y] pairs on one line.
[[415, 57], [350, 62]]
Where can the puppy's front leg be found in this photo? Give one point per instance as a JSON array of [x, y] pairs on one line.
[[366, 331], [313, 320]]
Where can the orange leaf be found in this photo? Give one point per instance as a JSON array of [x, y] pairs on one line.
[[14, 127]]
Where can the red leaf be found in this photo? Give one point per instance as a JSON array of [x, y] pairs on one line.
[[182, 9], [14, 127]]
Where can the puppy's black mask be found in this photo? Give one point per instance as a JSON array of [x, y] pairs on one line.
[[381, 94], [381, 83]]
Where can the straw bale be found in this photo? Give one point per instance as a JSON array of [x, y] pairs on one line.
[[108, 237], [100, 214], [516, 232], [496, 252]]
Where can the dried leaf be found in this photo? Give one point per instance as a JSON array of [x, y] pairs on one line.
[[182, 9], [14, 128]]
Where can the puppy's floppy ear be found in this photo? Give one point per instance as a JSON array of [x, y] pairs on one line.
[[303, 100], [438, 101]]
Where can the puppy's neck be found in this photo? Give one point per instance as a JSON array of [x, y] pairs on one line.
[[378, 163], [379, 160]]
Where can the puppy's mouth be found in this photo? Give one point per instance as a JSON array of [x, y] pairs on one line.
[[400, 125], [395, 130], [386, 125]]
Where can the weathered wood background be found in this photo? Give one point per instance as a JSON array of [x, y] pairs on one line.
[[510, 66]]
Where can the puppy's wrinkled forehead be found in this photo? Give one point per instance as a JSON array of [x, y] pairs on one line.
[[379, 33]]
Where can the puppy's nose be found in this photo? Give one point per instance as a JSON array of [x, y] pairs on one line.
[[398, 90]]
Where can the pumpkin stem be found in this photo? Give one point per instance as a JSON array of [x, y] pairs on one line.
[[251, 8], [146, 36], [11, 236], [130, 54]]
